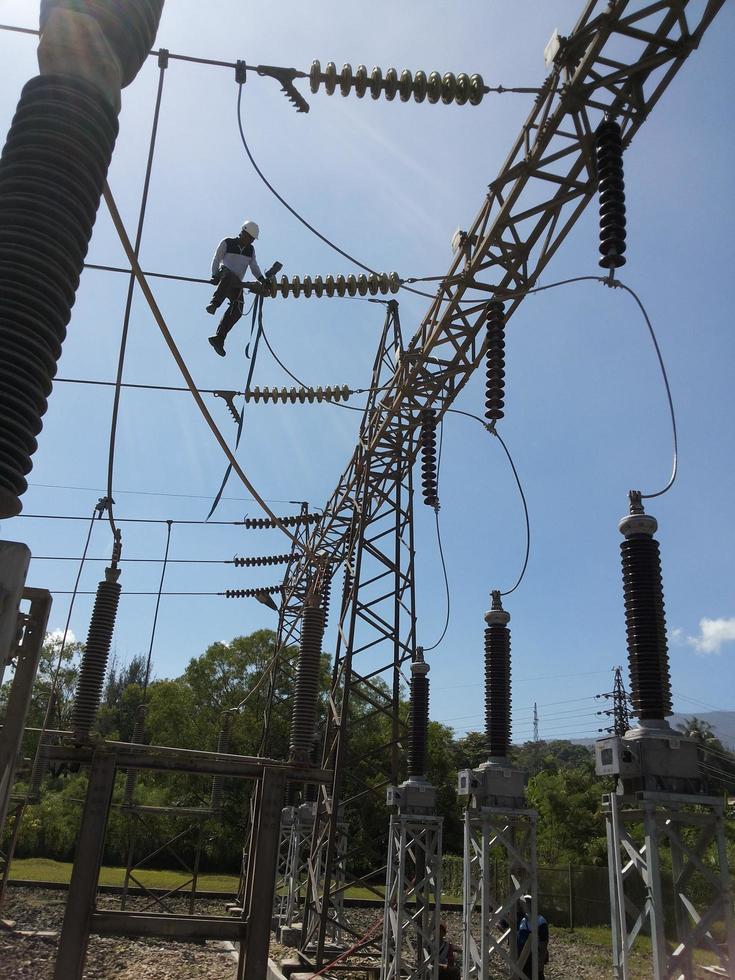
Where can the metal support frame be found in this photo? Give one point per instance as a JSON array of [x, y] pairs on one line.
[[412, 898], [32, 627], [288, 633], [687, 826], [490, 922], [14, 561], [376, 637], [251, 929], [139, 820]]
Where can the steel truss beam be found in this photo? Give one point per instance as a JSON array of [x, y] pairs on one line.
[[618, 61], [376, 636], [687, 827], [297, 829], [412, 898], [490, 920]]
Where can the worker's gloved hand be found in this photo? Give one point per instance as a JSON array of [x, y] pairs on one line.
[[216, 277], [261, 287]]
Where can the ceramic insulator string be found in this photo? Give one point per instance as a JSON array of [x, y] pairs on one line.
[[447, 88], [300, 395], [265, 522], [251, 593], [609, 149], [495, 358], [261, 560], [427, 441], [363, 285]]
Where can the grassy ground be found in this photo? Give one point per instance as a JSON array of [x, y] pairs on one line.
[[594, 943], [43, 869]]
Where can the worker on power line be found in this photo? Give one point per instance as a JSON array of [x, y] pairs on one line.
[[231, 262]]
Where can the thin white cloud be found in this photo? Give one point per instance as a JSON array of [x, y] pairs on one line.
[[57, 635], [713, 635]]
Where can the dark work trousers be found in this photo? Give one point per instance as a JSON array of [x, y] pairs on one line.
[[228, 288]]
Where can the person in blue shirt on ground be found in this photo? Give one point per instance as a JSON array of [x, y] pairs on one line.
[[231, 262], [524, 934]]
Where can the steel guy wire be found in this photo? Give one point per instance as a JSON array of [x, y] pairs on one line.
[[155, 614], [129, 298]]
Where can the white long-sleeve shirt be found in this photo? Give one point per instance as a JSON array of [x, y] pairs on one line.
[[237, 258]]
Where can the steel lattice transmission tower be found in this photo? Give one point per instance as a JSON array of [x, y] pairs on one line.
[[615, 64]]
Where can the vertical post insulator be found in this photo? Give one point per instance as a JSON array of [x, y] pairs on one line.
[[306, 693], [609, 149], [137, 738], [427, 440], [419, 718], [223, 746], [40, 762], [96, 651], [497, 679], [495, 383], [645, 622]]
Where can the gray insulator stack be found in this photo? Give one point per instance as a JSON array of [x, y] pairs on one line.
[[137, 738], [223, 746], [40, 762], [52, 172], [306, 694], [497, 679], [96, 651], [645, 622], [418, 719], [312, 788]]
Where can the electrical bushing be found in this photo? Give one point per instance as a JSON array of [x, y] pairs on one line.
[[306, 690], [497, 679]]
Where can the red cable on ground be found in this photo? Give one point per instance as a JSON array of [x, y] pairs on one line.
[[358, 945]]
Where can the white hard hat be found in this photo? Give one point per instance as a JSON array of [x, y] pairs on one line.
[[251, 228]]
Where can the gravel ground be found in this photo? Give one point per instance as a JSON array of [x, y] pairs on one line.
[[113, 958]]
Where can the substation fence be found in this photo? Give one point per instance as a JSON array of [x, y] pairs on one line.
[[568, 895]]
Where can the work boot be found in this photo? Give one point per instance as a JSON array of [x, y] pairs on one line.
[[211, 308], [218, 343]]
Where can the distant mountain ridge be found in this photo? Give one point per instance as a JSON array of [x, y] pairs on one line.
[[721, 722]]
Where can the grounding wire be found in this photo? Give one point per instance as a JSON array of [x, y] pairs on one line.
[[441, 549], [155, 614], [129, 300], [171, 343], [295, 213], [493, 432]]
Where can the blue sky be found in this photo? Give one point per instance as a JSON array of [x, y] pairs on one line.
[[586, 416]]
